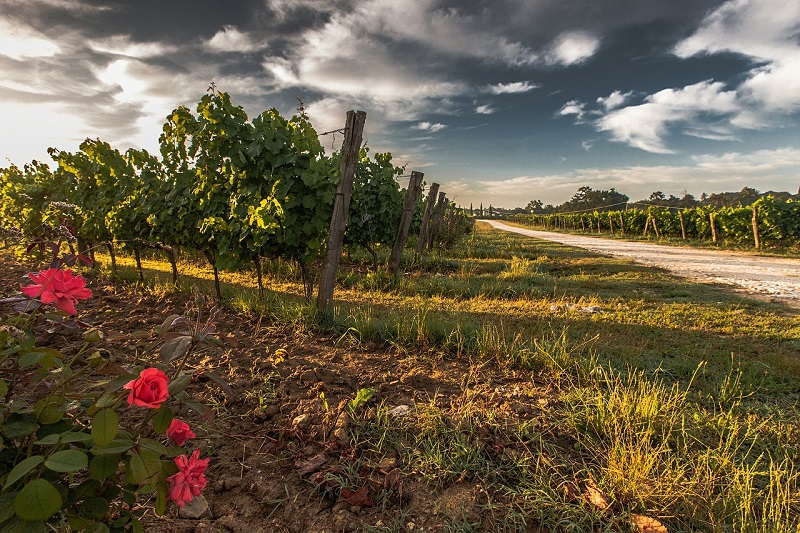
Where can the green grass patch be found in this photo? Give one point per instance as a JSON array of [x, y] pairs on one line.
[[678, 400]]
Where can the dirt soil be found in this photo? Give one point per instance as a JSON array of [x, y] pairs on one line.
[[760, 276], [271, 441]]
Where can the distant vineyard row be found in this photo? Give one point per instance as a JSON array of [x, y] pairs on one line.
[[768, 222], [233, 189]]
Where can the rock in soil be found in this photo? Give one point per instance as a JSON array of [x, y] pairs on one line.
[[196, 509]]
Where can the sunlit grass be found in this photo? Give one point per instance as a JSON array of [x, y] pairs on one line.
[[678, 400]]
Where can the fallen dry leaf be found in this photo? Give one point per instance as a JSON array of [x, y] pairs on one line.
[[358, 498], [645, 524], [571, 491], [110, 369], [311, 465], [387, 464], [595, 496], [392, 479]]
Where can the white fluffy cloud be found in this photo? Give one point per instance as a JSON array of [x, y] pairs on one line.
[[573, 107], [614, 100], [571, 48], [645, 126], [124, 46], [366, 55], [343, 63], [19, 41], [512, 88], [764, 30], [429, 127], [231, 39]]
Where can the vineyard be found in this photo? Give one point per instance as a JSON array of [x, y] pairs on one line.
[[768, 223], [233, 190]]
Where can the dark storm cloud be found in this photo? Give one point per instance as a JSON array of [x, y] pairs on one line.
[[537, 23]]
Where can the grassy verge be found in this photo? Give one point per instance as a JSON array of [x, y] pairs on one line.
[[647, 395]]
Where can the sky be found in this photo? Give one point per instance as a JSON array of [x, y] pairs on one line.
[[500, 101]]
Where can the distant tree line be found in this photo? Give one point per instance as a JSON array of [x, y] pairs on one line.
[[587, 198]]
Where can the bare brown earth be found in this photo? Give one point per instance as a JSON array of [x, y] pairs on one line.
[[761, 276], [269, 463]]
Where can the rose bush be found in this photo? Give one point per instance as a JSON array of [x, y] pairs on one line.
[[84, 442]]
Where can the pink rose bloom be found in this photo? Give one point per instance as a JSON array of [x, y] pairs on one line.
[[58, 287], [149, 389], [179, 431], [190, 479]]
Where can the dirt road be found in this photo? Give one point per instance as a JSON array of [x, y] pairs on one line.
[[769, 277]]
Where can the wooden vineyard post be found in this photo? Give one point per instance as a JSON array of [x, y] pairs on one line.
[[598, 223], [713, 228], [583, 226], [755, 228], [655, 228], [646, 225], [621, 224], [426, 217], [436, 219], [409, 203], [611, 223], [354, 129], [683, 225], [451, 214]]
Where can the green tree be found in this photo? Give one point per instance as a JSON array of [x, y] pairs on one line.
[[535, 207], [587, 198]]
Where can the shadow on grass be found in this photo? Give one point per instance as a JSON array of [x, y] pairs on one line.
[[673, 326]]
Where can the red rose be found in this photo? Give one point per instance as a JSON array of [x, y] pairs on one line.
[[149, 389], [179, 431], [58, 287], [190, 479]]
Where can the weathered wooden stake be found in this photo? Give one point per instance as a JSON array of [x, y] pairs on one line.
[[683, 225], [611, 223], [409, 203], [621, 224], [354, 129], [755, 228], [713, 227], [426, 218], [436, 219]]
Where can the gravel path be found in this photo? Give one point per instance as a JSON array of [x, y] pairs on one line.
[[766, 277]]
